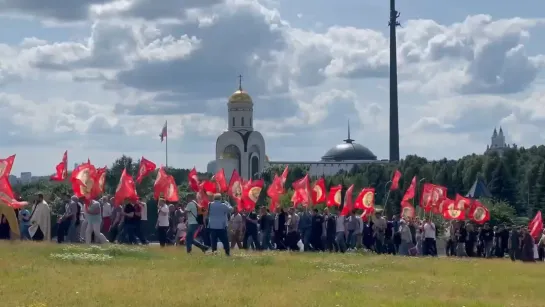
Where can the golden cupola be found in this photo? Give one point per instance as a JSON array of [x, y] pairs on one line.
[[240, 95]]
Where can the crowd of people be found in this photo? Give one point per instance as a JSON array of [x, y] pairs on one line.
[[293, 229]]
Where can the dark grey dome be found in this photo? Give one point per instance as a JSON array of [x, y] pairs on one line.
[[349, 151]]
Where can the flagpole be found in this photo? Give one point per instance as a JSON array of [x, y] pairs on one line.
[[387, 195], [166, 145]]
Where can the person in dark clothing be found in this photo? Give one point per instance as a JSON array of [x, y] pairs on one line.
[[368, 238], [129, 222], [397, 235], [471, 240], [498, 250], [266, 224], [389, 238], [505, 239], [280, 229], [251, 231], [487, 237], [138, 207], [4, 228], [514, 244], [330, 231], [461, 238], [527, 246], [317, 226]]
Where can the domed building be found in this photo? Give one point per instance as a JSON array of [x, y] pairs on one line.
[[240, 147], [243, 148], [341, 157], [349, 151]]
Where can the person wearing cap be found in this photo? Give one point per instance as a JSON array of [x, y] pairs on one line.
[[218, 214], [40, 220]]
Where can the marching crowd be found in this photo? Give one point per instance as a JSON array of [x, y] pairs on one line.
[[293, 229]]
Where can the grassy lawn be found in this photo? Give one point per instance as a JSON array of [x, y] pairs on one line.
[[40, 275]]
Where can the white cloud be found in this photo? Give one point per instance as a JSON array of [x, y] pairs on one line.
[[106, 86]]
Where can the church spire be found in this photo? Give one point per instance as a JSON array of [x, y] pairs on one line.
[[348, 139], [240, 83]]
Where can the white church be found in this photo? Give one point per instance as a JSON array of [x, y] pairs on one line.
[[243, 148]]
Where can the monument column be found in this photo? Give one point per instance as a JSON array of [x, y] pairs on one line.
[[394, 112]]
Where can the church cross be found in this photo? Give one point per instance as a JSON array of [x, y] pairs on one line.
[[240, 82]]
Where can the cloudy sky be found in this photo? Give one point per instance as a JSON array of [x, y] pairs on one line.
[[99, 77]]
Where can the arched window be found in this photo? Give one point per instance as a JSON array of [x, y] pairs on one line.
[[233, 122], [254, 166], [242, 122]]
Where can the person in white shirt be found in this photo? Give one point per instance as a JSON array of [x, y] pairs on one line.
[[106, 214], [429, 246], [162, 222]]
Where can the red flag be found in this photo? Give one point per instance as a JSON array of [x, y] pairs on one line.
[[164, 133], [209, 187], [202, 198], [251, 191], [432, 195], [454, 209], [319, 192], [83, 180], [334, 196], [536, 226], [100, 181], [146, 167], [171, 191], [409, 194], [193, 180], [7, 196], [348, 205], [221, 181], [462, 203], [274, 191], [407, 210], [284, 176], [366, 200], [6, 165], [6, 191], [478, 213], [235, 189], [301, 192], [161, 183], [125, 189], [395, 181], [61, 169]]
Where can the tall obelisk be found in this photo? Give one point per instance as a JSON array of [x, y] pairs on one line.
[[394, 113]]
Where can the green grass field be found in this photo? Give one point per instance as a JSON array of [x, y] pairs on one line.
[[33, 274]]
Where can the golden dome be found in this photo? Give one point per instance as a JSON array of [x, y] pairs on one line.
[[240, 96]]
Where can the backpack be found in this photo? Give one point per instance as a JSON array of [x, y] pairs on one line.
[[200, 214]]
